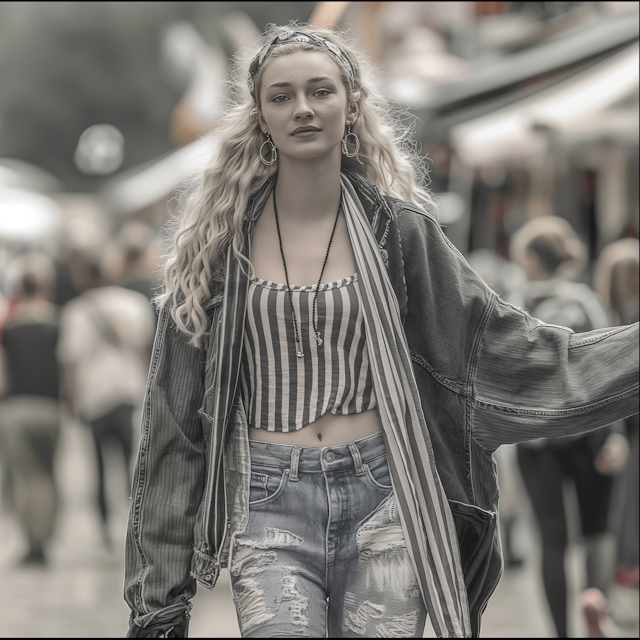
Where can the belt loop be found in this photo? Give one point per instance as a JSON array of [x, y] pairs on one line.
[[357, 460], [295, 457]]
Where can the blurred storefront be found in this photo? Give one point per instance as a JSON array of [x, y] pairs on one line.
[[523, 108], [552, 128]]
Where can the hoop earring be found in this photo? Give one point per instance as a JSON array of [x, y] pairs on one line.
[[356, 142], [273, 150]]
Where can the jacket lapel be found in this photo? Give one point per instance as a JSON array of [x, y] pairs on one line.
[[381, 213], [231, 330]]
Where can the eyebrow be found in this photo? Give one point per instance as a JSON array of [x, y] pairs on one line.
[[309, 81]]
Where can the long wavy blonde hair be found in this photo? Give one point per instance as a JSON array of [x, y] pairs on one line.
[[211, 208]]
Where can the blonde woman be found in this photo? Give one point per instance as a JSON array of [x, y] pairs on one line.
[[330, 378]]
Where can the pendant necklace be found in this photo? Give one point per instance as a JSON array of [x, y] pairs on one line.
[[316, 333]]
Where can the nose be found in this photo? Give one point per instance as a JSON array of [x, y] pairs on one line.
[[303, 109]]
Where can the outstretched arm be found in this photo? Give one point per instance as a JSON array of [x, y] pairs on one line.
[[521, 378], [533, 379]]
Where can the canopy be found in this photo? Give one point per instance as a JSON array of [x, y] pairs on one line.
[[567, 107], [147, 185], [498, 83]]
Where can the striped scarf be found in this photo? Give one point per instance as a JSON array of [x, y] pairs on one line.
[[422, 504]]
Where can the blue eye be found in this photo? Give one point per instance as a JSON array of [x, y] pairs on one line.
[[277, 99], [323, 91]]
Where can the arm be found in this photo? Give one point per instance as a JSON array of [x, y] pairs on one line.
[[532, 379], [167, 488], [519, 377]]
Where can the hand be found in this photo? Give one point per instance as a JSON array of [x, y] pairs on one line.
[[613, 454], [176, 629]]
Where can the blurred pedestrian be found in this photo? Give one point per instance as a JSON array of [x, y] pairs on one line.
[[330, 378], [133, 257], [548, 251], [106, 334], [29, 411], [616, 279]]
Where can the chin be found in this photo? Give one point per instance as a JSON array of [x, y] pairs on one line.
[[300, 155]]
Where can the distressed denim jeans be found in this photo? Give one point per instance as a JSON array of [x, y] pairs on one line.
[[323, 554]]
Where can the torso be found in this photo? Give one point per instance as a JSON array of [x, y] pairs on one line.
[[305, 248]]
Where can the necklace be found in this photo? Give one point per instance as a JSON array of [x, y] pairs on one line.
[[316, 333]]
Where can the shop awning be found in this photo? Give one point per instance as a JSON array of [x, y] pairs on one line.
[[510, 78], [144, 186], [518, 130]]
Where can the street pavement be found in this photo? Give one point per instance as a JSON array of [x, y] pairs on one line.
[[80, 593]]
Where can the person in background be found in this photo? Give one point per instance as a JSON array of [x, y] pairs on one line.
[[616, 281], [106, 336], [549, 252], [132, 257], [29, 412], [7, 308]]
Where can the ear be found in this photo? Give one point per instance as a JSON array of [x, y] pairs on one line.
[[263, 123], [353, 112]]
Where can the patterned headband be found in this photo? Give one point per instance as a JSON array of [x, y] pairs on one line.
[[289, 37]]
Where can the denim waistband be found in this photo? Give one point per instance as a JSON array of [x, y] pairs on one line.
[[318, 459]]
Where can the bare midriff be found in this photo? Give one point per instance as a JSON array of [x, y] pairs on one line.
[[327, 431]]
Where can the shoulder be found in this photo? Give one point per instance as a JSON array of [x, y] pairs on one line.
[[121, 293], [419, 229], [410, 210], [115, 297], [582, 296], [412, 219]]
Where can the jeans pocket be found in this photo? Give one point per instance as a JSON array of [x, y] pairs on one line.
[[264, 488], [377, 473]]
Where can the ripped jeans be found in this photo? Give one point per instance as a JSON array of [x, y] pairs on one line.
[[324, 554]]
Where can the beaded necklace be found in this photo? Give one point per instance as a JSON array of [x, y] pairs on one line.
[[316, 333]]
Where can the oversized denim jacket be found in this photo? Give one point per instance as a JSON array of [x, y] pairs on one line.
[[488, 374]]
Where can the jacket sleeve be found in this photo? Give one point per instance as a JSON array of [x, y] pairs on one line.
[[532, 379], [167, 488], [520, 378]]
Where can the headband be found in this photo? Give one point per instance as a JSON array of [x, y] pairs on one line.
[[289, 37]]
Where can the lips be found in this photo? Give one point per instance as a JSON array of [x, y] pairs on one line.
[[304, 129]]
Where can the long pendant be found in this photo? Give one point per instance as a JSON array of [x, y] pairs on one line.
[[299, 352]]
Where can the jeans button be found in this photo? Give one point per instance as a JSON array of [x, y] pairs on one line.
[[330, 457]]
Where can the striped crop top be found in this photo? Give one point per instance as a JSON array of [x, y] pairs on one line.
[[285, 393]]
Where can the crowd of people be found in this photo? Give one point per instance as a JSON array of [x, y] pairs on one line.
[[76, 342], [76, 339]]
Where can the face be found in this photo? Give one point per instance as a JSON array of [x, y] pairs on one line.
[[304, 105]]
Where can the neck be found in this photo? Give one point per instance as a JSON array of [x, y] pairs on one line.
[[308, 190]]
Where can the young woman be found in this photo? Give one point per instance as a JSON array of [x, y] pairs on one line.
[[330, 378]]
